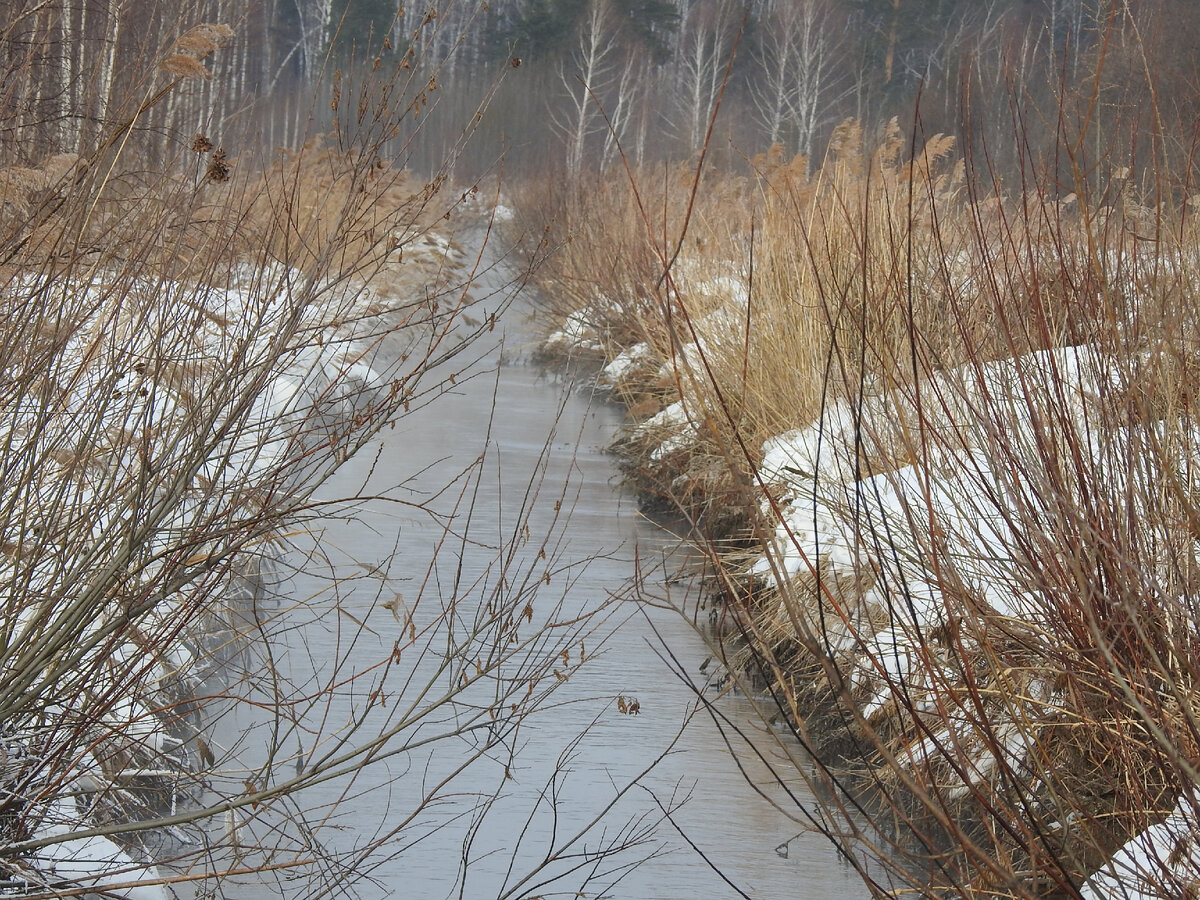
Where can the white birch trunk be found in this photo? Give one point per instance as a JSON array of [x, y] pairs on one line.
[[108, 59], [634, 75], [589, 73], [314, 18], [701, 58]]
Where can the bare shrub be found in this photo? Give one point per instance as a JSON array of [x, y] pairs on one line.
[[194, 342]]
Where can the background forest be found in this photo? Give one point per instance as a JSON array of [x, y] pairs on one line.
[[653, 68]]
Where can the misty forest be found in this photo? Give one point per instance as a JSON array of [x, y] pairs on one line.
[[599, 448]]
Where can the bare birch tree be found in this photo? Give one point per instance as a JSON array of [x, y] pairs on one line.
[[314, 18], [592, 68], [797, 57], [705, 40]]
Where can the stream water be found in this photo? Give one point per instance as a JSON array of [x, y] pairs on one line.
[[519, 436]]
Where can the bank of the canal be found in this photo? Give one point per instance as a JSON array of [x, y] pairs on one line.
[[952, 513]]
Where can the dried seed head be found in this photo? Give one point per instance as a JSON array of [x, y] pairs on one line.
[[183, 66], [218, 167], [192, 46], [201, 40], [201, 144]]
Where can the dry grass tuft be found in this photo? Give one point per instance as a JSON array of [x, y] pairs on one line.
[[201, 41]]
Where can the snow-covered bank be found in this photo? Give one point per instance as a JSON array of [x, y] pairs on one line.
[[944, 555], [156, 437]]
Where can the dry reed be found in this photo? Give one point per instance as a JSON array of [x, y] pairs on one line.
[[976, 536]]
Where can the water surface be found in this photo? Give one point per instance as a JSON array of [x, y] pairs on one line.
[[524, 455]]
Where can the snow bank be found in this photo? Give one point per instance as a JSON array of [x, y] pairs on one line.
[[915, 521], [1161, 862], [577, 333], [94, 863], [951, 517], [678, 427], [133, 390], [639, 358]]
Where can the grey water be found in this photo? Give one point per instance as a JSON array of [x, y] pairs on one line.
[[620, 785]]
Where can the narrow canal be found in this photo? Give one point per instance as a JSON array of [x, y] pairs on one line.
[[524, 455]]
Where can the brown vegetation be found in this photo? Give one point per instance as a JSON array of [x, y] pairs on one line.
[[973, 524]]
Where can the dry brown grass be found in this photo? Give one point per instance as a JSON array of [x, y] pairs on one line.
[[1009, 755]]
